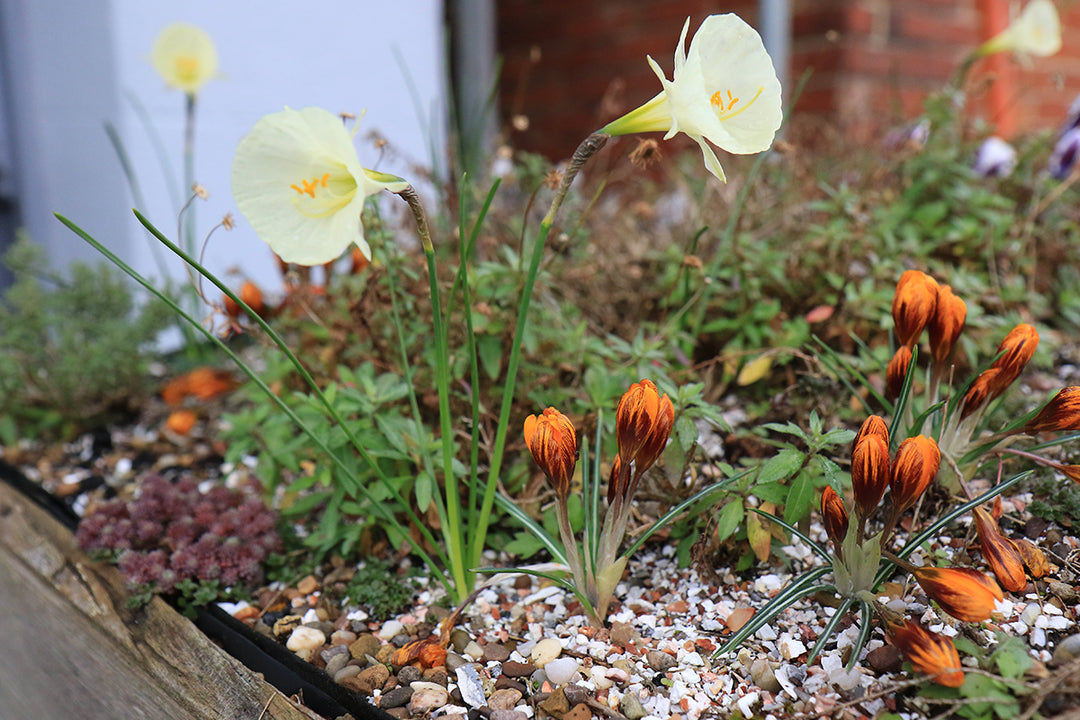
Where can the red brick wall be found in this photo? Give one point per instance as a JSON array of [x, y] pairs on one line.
[[874, 61]]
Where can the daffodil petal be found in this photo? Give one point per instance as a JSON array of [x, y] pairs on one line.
[[297, 180], [712, 164]]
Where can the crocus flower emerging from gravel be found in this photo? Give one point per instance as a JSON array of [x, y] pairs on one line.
[[994, 158], [723, 90], [297, 180], [1066, 152], [835, 516], [870, 471], [950, 314], [1000, 552], [928, 652], [185, 57], [1036, 31], [643, 423], [966, 594]]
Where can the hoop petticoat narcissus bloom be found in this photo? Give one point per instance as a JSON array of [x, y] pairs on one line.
[[1001, 554], [1036, 31], [1062, 413], [552, 440], [724, 90], [184, 55], [928, 652], [297, 180], [917, 462], [964, 593], [913, 305], [950, 314]]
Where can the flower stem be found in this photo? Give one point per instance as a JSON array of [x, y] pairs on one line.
[[585, 150]]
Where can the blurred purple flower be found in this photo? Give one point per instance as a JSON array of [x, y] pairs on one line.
[[994, 158], [1065, 154], [1072, 116]]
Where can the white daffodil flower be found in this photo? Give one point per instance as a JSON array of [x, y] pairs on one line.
[[723, 90], [1036, 31], [297, 180], [184, 55]]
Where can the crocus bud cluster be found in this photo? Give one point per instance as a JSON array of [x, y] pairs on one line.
[[921, 303]]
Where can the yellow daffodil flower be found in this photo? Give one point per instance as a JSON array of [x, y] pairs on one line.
[[185, 57], [297, 180], [1036, 31], [724, 90]]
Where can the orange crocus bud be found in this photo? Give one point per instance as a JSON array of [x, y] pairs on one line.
[[913, 305], [1018, 347], [896, 372], [928, 652], [869, 472], [873, 425], [1000, 553], [658, 436], [980, 391], [617, 481], [635, 419], [916, 466], [1060, 414], [180, 421], [835, 515], [1034, 558], [966, 594], [552, 441], [252, 296], [950, 313], [206, 383]]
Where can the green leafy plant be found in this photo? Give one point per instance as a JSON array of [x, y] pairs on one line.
[[74, 350]]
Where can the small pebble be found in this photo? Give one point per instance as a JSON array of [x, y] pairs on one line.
[[504, 699], [508, 715], [561, 670], [426, 699], [305, 638], [545, 651], [308, 585], [472, 690], [409, 674], [631, 707], [454, 661], [336, 663], [397, 697], [371, 678], [342, 637], [366, 644], [512, 668], [660, 661], [349, 671], [473, 651], [1068, 649], [762, 673], [390, 629], [495, 652], [578, 712]]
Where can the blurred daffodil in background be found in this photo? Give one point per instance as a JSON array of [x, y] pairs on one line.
[[184, 55], [1036, 31], [723, 90], [297, 179]]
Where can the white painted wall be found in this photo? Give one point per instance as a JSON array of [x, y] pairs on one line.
[[70, 64]]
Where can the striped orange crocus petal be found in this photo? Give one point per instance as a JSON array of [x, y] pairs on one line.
[[896, 372], [552, 440], [966, 594], [635, 417], [1062, 413], [1018, 347], [913, 305], [1034, 558], [657, 437], [950, 314], [873, 425], [1000, 552], [928, 652], [870, 472], [980, 392], [835, 516], [915, 467]]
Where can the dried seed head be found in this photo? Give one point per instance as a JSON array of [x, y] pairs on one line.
[[896, 372], [950, 313], [835, 516], [966, 594], [552, 441], [928, 652], [913, 305], [1000, 552], [869, 472], [1062, 413], [645, 154], [916, 466]]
